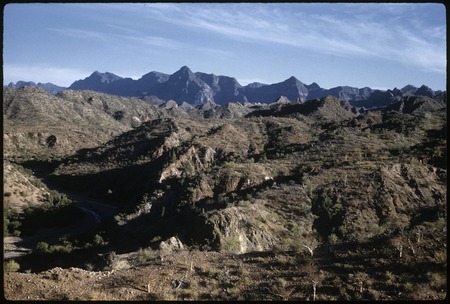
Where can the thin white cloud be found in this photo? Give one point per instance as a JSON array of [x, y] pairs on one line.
[[368, 35], [390, 32], [135, 37], [122, 28], [173, 45], [213, 51], [82, 34], [154, 41]]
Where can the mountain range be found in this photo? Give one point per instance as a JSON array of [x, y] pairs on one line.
[[49, 87], [199, 88]]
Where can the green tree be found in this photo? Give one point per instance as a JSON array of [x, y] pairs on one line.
[[42, 247], [11, 266]]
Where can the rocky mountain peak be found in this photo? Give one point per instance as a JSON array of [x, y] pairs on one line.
[[255, 85], [313, 86], [154, 74], [292, 79], [182, 73], [425, 91], [409, 89], [21, 84], [106, 77], [48, 87], [229, 80]]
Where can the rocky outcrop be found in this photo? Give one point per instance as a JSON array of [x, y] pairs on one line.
[[172, 244], [245, 229], [191, 162], [416, 105]]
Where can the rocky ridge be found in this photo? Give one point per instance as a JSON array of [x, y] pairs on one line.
[[220, 160], [275, 187]]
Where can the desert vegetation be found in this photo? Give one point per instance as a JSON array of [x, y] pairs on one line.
[[303, 201]]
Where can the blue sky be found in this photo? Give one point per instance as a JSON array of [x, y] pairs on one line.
[[377, 45]]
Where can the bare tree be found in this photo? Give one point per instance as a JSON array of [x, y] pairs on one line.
[[311, 244], [398, 242], [314, 276], [403, 241], [411, 246], [419, 234], [359, 278], [281, 289]]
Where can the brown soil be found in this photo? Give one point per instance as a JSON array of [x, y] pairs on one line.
[[184, 275]]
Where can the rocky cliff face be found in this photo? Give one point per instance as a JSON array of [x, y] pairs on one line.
[[183, 85]]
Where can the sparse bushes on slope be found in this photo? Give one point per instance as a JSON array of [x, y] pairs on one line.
[[56, 211], [11, 266]]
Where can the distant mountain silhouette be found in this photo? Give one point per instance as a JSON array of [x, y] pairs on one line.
[[225, 89], [112, 84], [183, 85], [200, 88], [48, 87], [291, 88]]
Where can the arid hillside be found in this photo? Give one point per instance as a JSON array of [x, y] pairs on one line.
[[288, 201], [35, 120]]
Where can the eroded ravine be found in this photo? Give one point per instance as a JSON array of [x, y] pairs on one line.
[[95, 212]]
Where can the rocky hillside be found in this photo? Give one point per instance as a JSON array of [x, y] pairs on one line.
[[221, 161], [39, 123], [280, 201]]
